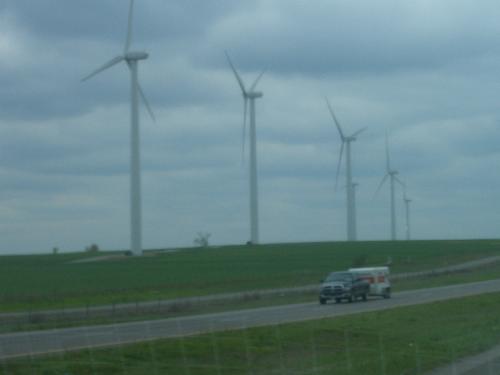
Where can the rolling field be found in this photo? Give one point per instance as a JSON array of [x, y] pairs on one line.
[[54, 281]]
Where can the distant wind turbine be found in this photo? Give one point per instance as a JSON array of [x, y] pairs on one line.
[[392, 174], [132, 58], [346, 140], [249, 96]]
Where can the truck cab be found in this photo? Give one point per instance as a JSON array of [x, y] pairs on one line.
[[343, 285]]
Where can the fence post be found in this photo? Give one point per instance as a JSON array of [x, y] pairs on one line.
[[418, 362], [347, 351], [382, 356]]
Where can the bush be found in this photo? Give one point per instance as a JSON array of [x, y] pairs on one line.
[[202, 239], [92, 248]]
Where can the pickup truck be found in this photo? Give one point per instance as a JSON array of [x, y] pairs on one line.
[[343, 285]]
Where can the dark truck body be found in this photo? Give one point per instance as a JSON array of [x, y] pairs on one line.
[[343, 285]]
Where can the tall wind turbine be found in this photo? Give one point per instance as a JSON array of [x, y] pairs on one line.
[[132, 59], [249, 96], [346, 141], [392, 174]]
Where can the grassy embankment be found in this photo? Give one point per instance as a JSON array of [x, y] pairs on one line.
[[48, 281], [407, 340]]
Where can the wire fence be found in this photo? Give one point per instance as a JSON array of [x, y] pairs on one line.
[[311, 347]]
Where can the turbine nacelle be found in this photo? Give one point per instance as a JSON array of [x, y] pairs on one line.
[[136, 55], [354, 136]]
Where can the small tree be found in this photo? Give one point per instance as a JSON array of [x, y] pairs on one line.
[[55, 250], [92, 248], [202, 239]]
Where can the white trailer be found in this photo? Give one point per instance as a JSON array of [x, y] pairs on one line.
[[377, 277]]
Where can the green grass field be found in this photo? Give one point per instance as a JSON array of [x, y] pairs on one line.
[[407, 340], [38, 322], [52, 281]]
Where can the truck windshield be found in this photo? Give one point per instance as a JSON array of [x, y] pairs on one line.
[[339, 276]]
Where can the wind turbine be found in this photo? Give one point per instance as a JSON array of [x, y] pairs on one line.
[[346, 140], [132, 59], [249, 96], [392, 174]]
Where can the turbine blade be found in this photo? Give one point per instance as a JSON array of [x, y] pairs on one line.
[[355, 134], [335, 119], [257, 80], [245, 106], [339, 165], [108, 65], [387, 158], [238, 78], [381, 184], [128, 41], [400, 182], [146, 103]]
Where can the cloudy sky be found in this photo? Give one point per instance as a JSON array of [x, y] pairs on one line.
[[425, 71]]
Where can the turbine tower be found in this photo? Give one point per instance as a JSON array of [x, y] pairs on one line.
[[132, 59], [346, 141], [249, 96], [407, 212], [392, 174], [354, 186]]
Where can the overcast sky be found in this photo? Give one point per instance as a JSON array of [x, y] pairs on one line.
[[425, 71]]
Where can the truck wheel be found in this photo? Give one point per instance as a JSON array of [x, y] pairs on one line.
[[349, 299], [364, 297], [338, 300], [322, 301], [387, 293]]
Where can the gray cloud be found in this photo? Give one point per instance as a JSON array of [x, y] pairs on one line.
[[339, 38], [106, 20], [420, 70]]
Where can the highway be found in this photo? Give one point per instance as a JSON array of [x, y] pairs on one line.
[[53, 341]]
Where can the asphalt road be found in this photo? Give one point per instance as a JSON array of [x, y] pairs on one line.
[[53, 341]]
